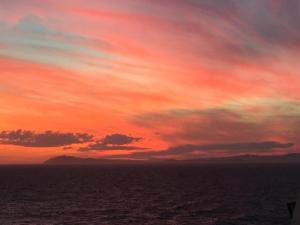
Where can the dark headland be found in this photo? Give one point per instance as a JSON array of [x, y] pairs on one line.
[[70, 160]]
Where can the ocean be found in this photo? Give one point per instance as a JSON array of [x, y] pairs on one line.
[[148, 194]]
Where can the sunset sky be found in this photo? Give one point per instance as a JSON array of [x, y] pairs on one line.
[[148, 78]]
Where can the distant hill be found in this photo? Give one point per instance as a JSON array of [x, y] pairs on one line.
[[288, 158], [70, 160]]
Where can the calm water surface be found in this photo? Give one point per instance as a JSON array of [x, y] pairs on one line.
[[204, 195]]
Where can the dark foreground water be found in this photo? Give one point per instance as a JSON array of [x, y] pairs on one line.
[[204, 195]]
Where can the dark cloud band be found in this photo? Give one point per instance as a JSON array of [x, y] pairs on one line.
[[119, 139], [29, 138], [231, 148], [114, 142]]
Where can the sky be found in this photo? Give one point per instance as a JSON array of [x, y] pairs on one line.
[[140, 79]]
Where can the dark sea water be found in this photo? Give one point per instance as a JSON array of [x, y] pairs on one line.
[[204, 195]]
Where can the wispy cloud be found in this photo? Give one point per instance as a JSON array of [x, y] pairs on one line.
[[33, 40], [252, 121], [196, 72]]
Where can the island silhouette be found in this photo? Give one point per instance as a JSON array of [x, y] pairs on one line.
[[71, 160]]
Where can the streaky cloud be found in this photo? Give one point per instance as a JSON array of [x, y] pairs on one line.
[[227, 148]]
